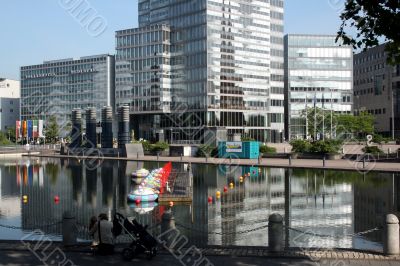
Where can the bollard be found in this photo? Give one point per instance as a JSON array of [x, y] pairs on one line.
[[158, 156], [181, 157], [206, 158], [391, 244], [69, 232], [290, 159], [323, 161], [137, 155], [259, 159], [284, 150], [397, 154], [275, 233], [343, 150], [167, 225], [364, 162]]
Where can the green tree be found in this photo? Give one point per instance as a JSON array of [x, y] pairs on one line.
[[52, 130], [11, 134], [319, 120], [3, 139], [364, 124], [343, 125], [373, 20]]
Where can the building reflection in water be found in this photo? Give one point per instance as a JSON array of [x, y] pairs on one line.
[[321, 202]]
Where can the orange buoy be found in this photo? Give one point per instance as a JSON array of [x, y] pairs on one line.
[[225, 189], [56, 199], [210, 199], [171, 203]]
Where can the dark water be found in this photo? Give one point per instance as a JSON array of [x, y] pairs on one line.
[[330, 206]]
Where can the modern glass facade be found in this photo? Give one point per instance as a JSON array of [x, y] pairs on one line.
[[318, 73], [57, 87], [221, 66]]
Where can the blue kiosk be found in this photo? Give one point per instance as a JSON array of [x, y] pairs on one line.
[[239, 149]]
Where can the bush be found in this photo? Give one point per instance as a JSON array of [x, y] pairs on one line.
[[378, 139], [247, 138], [207, 151], [159, 146], [146, 145], [326, 146], [266, 149], [372, 150], [322, 146], [300, 146]]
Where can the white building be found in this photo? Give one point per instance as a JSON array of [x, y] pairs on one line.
[[10, 94]]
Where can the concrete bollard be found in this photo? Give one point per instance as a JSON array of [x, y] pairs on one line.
[[167, 224], [69, 229], [324, 161], [158, 156], [364, 162], [137, 155], [290, 159], [275, 233], [392, 242]]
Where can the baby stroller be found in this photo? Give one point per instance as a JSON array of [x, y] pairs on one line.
[[142, 241]]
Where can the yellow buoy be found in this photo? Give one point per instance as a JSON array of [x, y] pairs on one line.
[[231, 185], [218, 194], [241, 179], [25, 197]]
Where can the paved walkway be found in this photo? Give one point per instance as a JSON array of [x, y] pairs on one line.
[[267, 162], [53, 256]]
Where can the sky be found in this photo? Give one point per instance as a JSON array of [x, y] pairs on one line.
[[35, 31]]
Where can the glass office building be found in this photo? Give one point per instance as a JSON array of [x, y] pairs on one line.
[[318, 72], [57, 87], [199, 64]]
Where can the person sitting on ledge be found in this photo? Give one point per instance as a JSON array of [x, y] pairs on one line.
[[102, 233]]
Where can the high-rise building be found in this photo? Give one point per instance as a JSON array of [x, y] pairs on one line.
[[199, 65], [57, 87], [9, 103], [318, 73], [376, 86]]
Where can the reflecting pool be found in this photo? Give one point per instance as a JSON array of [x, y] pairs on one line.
[[320, 208]]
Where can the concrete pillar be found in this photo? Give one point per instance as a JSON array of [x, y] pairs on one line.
[[69, 229], [275, 233], [91, 121], [391, 244], [167, 224], [106, 125], [123, 126], [76, 131]]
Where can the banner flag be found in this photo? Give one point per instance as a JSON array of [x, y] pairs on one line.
[[35, 129], [40, 130], [17, 129], [24, 128], [30, 128]]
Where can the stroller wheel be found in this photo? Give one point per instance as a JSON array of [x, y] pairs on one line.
[[128, 254], [152, 253]]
